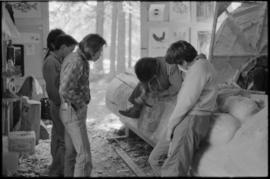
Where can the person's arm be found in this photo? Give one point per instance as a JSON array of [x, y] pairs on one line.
[[71, 73], [175, 79], [188, 95], [52, 78]]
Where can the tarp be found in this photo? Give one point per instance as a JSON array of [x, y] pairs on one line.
[[8, 27], [242, 36]]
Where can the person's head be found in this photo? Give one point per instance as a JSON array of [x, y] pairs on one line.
[[64, 45], [92, 46], [181, 53], [53, 34], [146, 69]]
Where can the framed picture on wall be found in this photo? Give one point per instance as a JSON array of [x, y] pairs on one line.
[[27, 9], [156, 12], [180, 11], [158, 41], [180, 33], [204, 10], [203, 43], [19, 58]]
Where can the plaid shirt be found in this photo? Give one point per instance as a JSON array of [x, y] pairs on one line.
[[74, 80]]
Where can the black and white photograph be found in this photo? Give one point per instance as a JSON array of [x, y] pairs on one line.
[[134, 88]]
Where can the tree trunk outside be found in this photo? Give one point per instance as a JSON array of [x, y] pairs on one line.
[[130, 39], [113, 38], [98, 66], [121, 67]]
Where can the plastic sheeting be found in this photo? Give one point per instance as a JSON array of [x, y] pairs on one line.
[[243, 35]]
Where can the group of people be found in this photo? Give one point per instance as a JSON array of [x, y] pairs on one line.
[[191, 79], [182, 74], [66, 73]]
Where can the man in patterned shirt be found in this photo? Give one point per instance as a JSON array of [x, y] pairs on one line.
[[60, 45], [75, 95]]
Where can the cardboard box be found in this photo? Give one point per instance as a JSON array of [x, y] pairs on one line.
[[10, 160], [22, 141]]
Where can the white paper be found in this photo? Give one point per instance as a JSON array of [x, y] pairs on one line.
[[30, 49], [180, 11], [28, 37], [204, 38], [158, 41], [156, 12], [180, 33]]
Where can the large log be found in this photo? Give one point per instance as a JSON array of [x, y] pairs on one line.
[[212, 160], [152, 121]]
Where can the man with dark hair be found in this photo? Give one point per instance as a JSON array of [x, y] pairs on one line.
[[189, 123], [53, 34], [59, 49], [75, 96], [156, 78]]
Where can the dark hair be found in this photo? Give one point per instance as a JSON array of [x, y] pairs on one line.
[[179, 52], [93, 41], [64, 40], [53, 34], [145, 68]]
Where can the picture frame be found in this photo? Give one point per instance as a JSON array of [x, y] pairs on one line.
[[19, 58], [180, 11], [204, 10]]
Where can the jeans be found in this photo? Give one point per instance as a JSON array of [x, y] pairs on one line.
[[159, 154], [187, 137], [57, 142], [78, 161]]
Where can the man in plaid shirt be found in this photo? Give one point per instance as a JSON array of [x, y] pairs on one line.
[[75, 95]]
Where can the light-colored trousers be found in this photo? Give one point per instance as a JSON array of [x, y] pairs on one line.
[[78, 161], [57, 142], [186, 139]]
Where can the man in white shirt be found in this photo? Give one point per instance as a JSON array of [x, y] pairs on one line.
[[189, 123]]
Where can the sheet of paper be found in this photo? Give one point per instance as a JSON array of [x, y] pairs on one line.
[[180, 11], [158, 41], [156, 12]]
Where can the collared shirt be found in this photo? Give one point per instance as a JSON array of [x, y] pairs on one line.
[[51, 74], [74, 79], [168, 80], [198, 91]]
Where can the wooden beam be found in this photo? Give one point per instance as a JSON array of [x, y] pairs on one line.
[[135, 169], [213, 33]]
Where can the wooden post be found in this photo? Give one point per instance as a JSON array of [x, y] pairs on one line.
[[213, 33]]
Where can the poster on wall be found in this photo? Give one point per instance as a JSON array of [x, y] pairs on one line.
[[204, 38], [180, 33], [158, 41], [156, 12], [180, 11], [26, 9], [204, 10]]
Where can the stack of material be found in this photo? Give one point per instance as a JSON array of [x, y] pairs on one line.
[[31, 114], [22, 141], [9, 159]]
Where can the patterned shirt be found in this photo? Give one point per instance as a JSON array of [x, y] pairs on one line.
[[51, 74], [74, 80]]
